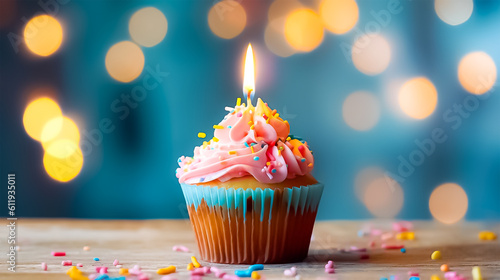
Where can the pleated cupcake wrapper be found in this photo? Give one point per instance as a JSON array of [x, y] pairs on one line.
[[252, 226]]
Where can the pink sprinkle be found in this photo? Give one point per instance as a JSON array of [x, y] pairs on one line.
[[230, 277], [180, 248], [215, 269], [197, 273], [330, 270], [330, 264], [239, 115], [356, 249], [411, 273], [196, 277], [98, 268], [168, 277], [450, 274], [93, 276], [206, 269], [220, 274], [67, 263], [79, 265], [44, 266], [103, 270], [292, 272], [391, 247], [116, 262], [58, 254], [143, 276], [402, 226], [375, 232], [372, 244]]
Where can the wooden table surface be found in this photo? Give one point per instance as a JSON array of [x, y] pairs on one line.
[[149, 244]]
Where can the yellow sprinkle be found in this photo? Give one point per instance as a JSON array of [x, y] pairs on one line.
[[435, 277], [277, 115], [279, 152], [487, 235], [215, 139], [476, 273], [285, 121], [202, 135], [218, 126], [238, 101], [252, 127], [205, 144], [251, 149], [166, 270], [436, 255], [232, 152], [268, 163], [123, 271], [73, 271], [195, 262], [250, 122], [268, 119], [280, 148], [190, 266], [408, 235], [255, 275], [243, 104], [288, 138]]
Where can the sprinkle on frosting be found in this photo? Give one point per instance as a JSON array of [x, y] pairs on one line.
[[259, 144]]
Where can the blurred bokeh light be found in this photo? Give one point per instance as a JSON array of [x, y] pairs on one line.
[[66, 168], [371, 54], [148, 26], [383, 197], [43, 35], [124, 61], [339, 16], [454, 12], [303, 30], [60, 137], [418, 98], [448, 203], [361, 110], [37, 114], [227, 19], [274, 35], [477, 72]]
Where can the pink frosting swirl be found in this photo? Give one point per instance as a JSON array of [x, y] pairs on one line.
[[248, 141]]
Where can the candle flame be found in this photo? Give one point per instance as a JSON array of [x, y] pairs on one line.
[[249, 75]]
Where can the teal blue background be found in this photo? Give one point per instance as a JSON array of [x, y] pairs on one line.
[[131, 172]]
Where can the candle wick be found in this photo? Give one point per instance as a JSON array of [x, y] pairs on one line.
[[249, 98]]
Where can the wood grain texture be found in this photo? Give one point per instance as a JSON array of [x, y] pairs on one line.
[[149, 244]]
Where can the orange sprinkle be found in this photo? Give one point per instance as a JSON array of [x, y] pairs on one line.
[[310, 164], [273, 112], [190, 266], [215, 139], [232, 152], [218, 126], [268, 163], [279, 152]]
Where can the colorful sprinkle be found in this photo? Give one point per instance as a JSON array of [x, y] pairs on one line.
[[255, 267], [229, 126], [58, 254], [232, 152], [288, 138], [273, 170], [195, 262], [487, 235], [444, 268], [202, 135], [435, 277], [250, 122], [96, 259], [215, 139], [243, 273], [239, 115], [86, 248], [406, 235], [238, 101], [66, 263], [218, 126], [123, 271], [116, 262], [166, 270], [255, 275], [252, 127], [182, 248], [292, 272], [436, 255], [303, 159], [256, 158], [190, 266], [310, 164], [403, 250], [44, 266], [476, 273], [251, 149]]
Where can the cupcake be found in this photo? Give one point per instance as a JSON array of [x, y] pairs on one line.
[[249, 191]]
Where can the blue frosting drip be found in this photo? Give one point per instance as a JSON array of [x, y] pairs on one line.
[[299, 198]]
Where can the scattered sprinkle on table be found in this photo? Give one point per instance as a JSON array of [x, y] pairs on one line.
[[403, 250], [436, 255], [58, 254], [166, 270], [487, 235], [444, 268], [96, 259], [86, 248]]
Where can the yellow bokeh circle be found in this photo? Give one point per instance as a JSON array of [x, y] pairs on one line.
[[227, 19], [304, 30], [43, 35], [477, 72], [339, 16], [448, 203], [63, 169], [148, 26], [37, 114], [124, 61], [418, 98], [62, 131]]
